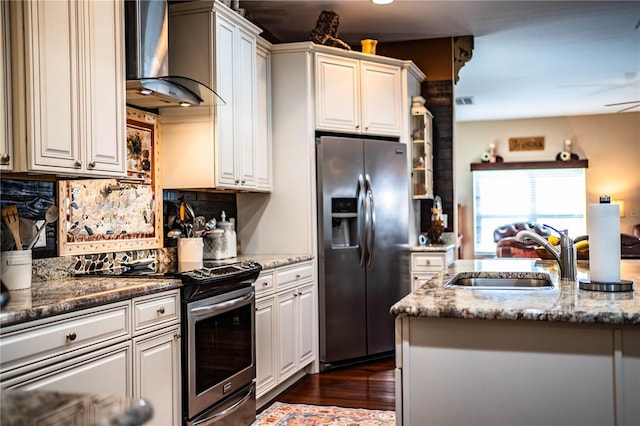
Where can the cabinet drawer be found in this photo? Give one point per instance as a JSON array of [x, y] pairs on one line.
[[294, 274], [265, 282], [152, 311], [57, 337], [428, 262]]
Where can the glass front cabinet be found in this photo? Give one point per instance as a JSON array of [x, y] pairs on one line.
[[421, 150]]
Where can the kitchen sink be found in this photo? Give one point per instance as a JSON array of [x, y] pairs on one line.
[[536, 281]]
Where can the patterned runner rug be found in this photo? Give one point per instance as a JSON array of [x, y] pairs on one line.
[[280, 414]]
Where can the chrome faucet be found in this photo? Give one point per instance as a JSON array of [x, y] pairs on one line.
[[566, 257]]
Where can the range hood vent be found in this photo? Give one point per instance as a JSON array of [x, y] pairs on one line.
[[147, 43]]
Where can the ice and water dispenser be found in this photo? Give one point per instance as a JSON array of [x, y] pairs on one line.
[[344, 224]]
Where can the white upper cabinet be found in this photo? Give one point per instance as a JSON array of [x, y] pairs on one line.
[[68, 71], [219, 146], [263, 160], [358, 96], [6, 145]]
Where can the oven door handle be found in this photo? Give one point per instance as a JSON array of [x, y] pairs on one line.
[[223, 306], [228, 410]]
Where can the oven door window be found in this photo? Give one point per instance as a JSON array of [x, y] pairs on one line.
[[223, 347]]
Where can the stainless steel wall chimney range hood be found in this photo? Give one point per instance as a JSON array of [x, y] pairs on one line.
[[149, 85]]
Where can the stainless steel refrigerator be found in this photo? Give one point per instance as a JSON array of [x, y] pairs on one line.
[[363, 209]]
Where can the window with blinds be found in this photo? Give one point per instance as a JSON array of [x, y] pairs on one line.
[[555, 197]]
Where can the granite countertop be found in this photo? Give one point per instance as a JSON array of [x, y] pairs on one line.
[[564, 303], [270, 261], [32, 407], [47, 298], [432, 247], [59, 296]]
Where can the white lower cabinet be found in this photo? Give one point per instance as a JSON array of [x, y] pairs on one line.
[[426, 265], [628, 375], [129, 348], [286, 323], [105, 371], [266, 331], [468, 371], [156, 369]]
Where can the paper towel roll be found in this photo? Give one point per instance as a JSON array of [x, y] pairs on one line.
[[604, 242]]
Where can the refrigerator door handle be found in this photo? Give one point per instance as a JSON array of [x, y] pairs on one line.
[[372, 219], [362, 219]]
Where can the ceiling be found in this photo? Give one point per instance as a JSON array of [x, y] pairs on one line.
[[530, 59]]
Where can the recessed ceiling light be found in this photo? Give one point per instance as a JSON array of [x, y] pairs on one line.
[[382, 1]]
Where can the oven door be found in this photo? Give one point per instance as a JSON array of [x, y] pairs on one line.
[[220, 349]]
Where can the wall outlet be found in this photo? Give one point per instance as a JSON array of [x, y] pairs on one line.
[[42, 240]]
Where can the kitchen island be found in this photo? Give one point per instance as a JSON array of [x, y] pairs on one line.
[[544, 357]]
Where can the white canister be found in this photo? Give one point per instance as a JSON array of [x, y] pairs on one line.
[[190, 254], [228, 239], [16, 269], [213, 244]]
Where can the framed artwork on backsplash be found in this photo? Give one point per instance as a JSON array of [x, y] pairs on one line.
[[106, 215]]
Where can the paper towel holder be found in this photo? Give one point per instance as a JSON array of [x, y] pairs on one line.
[[623, 285]]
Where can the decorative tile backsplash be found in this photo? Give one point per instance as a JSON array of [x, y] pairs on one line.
[[103, 209]]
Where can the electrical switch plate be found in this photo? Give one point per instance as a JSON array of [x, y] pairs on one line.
[[42, 240]]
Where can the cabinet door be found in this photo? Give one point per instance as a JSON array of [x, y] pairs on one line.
[[266, 332], [246, 109], [157, 376], [629, 371], [287, 337], [338, 93], [381, 87], [6, 145], [105, 126], [54, 87], [263, 120], [107, 371], [306, 331], [225, 74]]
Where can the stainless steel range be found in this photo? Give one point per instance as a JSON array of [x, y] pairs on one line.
[[218, 344]]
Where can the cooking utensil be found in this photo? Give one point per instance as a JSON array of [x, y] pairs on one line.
[[27, 229], [174, 233], [50, 216], [12, 220]]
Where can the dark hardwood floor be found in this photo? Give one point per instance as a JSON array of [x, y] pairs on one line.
[[370, 385]]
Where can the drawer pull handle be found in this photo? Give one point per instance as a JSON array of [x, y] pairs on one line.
[[71, 336], [297, 276], [264, 284], [161, 310]]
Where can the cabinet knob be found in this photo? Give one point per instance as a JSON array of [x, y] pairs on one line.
[[77, 164], [357, 126], [242, 182], [177, 336], [264, 284], [415, 277], [295, 294], [161, 310], [5, 159], [297, 276], [71, 336], [237, 181], [92, 164]]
